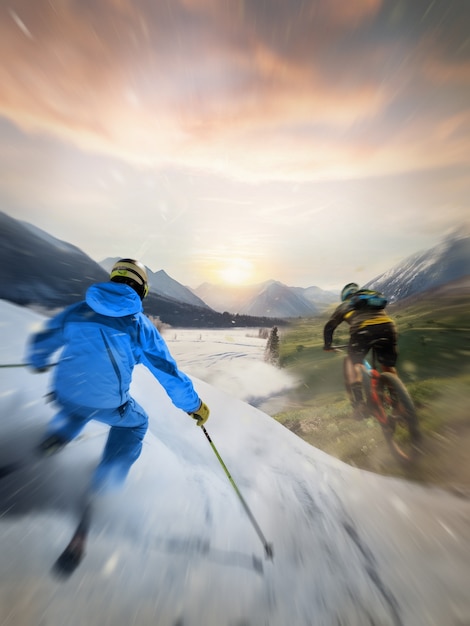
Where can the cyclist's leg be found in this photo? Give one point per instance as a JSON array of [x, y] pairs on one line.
[[352, 373], [357, 349], [387, 349]]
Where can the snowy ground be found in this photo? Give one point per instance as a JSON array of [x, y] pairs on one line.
[[176, 548], [233, 361]]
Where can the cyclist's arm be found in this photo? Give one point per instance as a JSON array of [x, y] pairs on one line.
[[335, 320]]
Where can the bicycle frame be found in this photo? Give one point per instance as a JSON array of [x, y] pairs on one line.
[[389, 402], [373, 373], [369, 369]]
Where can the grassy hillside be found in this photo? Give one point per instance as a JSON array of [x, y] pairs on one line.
[[434, 363]]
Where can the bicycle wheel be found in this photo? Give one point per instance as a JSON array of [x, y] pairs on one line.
[[402, 429]]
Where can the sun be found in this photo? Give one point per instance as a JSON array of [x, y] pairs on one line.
[[236, 271]]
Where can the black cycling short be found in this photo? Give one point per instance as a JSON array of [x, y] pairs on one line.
[[361, 342]]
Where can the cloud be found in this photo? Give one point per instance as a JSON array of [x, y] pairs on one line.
[[250, 127], [235, 88]]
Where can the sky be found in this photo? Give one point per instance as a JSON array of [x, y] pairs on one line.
[[175, 546], [315, 142]]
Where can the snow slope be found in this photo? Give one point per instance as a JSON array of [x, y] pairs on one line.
[[175, 547]]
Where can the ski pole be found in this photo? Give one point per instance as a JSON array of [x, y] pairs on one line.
[[14, 365], [22, 365], [268, 548]]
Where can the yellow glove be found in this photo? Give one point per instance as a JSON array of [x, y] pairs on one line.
[[201, 414]]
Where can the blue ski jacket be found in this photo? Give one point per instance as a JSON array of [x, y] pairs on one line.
[[102, 338]]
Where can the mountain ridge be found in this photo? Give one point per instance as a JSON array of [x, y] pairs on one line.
[[162, 283], [39, 270], [445, 262], [270, 298]]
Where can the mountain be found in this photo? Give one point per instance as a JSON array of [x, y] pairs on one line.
[[319, 297], [278, 300], [271, 298], [225, 297], [42, 271], [162, 284], [455, 293], [441, 264], [447, 261]]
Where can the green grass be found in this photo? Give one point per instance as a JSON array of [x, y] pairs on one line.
[[434, 363]]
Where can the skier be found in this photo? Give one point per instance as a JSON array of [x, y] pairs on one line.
[[102, 338]]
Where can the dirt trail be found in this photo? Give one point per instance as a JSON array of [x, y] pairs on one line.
[[445, 458], [448, 462]]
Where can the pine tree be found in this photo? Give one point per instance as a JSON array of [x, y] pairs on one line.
[[271, 354]]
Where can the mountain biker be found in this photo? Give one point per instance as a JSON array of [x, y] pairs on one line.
[[364, 311], [102, 338]]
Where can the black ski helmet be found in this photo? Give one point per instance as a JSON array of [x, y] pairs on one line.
[[348, 290], [132, 273]]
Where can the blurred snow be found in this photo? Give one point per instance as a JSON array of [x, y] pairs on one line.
[[176, 548], [231, 360]]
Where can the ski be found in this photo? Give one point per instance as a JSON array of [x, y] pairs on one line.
[[73, 554], [46, 448], [10, 468], [31, 461]]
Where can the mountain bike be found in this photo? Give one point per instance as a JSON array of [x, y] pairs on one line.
[[388, 401]]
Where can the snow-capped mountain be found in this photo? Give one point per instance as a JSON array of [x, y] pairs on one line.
[[162, 284], [271, 298], [445, 262], [428, 269], [38, 269], [41, 271]]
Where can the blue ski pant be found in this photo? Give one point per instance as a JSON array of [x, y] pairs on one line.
[[128, 425]]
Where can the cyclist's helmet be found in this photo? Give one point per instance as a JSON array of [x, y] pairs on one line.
[[348, 290], [132, 273]]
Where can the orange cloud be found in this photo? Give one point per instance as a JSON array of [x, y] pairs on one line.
[[207, 84]]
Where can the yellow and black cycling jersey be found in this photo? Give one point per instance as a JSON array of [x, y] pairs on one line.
[[356, 318]]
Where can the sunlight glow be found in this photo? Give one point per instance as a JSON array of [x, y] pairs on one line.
[[236, 271]]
